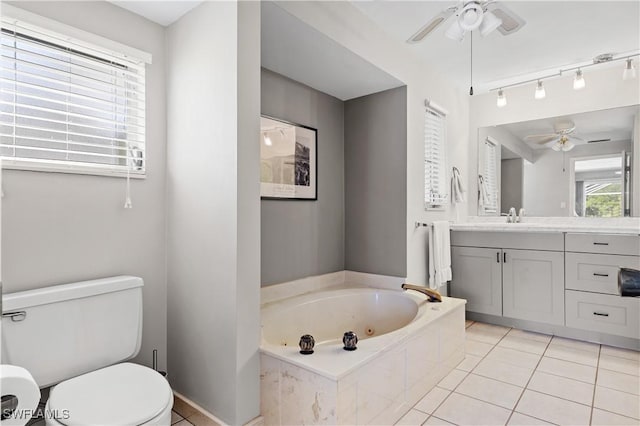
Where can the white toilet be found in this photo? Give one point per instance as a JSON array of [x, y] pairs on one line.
[[76, 337]]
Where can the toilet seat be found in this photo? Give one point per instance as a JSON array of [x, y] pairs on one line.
[[122, 394]]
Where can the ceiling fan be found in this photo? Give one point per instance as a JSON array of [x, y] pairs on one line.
[[562, 138], [484, 15]]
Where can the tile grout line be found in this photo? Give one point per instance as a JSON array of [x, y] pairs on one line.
[[595, 385], [525, 387]]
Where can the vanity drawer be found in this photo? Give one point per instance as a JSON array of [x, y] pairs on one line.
[[603, 313], [552, 241], [596, 272], [603, 243]]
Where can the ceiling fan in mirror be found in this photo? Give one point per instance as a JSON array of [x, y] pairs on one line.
[[484, 16], [562, 139]]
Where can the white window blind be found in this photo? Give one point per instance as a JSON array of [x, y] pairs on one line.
[[69, 106], [490, 177], [435, 177]]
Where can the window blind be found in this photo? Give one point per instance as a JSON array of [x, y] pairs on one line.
[[66, 106], [435, 181], [490, 176]]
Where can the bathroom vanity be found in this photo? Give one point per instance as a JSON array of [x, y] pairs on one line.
[[552, 279]]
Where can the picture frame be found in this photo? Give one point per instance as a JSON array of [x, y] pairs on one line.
[[288, 160]]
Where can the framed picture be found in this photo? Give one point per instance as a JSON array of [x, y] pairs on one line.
[[288, 160]]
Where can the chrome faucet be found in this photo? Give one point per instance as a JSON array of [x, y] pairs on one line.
[[511, 217], [520, 215], [432, 295]]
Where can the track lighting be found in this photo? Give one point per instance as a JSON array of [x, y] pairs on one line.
[[629, 72], [540, 92], [502, 99], [578, 81]]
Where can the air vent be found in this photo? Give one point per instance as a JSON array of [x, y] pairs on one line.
[[599, 140]]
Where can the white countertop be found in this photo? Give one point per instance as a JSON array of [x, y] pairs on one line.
[[628, 226]]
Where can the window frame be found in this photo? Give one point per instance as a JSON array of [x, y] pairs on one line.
[[437, 144], [89, 45]]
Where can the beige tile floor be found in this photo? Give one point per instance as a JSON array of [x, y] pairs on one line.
[[514, 377]]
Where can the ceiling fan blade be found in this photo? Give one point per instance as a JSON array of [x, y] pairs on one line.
[[510, 21], [547, 140], [544, 135], [430, 26]]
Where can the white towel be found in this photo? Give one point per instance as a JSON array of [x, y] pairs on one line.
[[483, 193], [456, 187], [439, 254]]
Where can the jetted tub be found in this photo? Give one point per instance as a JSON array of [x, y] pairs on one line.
[[406, 345]]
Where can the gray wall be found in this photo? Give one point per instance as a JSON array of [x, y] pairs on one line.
[[60, 228], [376, 183], [303, 238], [213, 210], [511, 184]]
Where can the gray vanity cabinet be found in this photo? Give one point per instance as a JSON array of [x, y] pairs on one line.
[[510, 274], [477, 277], [533, 285]]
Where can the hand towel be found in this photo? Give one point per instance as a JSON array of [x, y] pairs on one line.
[[439, 254], [483, 193], [456, 187]]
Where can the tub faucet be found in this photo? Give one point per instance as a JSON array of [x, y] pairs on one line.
[[432, 295]]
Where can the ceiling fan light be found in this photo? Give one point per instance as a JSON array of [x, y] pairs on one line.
[[629, 72], [489, 24], [557, 146], [502, 99], [540, 92], [455, 31], [578, 81], [267, 139], [471, 16], [568, 145]]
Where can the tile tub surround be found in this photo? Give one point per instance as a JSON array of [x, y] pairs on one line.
[[621, 225], [378, 383], [515, 377]]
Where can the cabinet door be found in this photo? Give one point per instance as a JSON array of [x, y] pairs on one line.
[[477, 277], [533, 285]]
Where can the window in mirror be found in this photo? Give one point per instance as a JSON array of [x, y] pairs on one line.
[[488, 178], [599, 186]]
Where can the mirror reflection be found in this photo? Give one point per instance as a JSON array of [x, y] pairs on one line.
[[578, 165]]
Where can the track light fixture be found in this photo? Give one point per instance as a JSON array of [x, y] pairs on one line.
[[502, 99], [540, 92], [629, 72], [578, 81]]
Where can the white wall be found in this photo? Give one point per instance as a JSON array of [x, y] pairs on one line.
[[605, 89], [346, 25], [213, 99], [60, 228]]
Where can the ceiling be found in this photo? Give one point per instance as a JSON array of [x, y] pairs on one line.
[[164, 13], [557, 34], [615, 124], [298, 51]]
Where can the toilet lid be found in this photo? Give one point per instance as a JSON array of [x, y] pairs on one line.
[[122, 394]]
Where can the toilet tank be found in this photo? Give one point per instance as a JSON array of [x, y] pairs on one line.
[[62, 331]]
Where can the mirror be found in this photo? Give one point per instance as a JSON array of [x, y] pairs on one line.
[[578, 165]]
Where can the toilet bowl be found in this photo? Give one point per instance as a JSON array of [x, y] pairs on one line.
[[87, 330], [122, 394]]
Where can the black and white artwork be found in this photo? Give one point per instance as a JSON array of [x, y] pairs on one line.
[[287, 160]]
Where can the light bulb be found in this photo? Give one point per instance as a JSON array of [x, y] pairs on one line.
[[629, 72], [540, 92], [578, 81], [502, 99]]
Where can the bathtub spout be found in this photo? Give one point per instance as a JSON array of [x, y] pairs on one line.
[[432, 295]]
